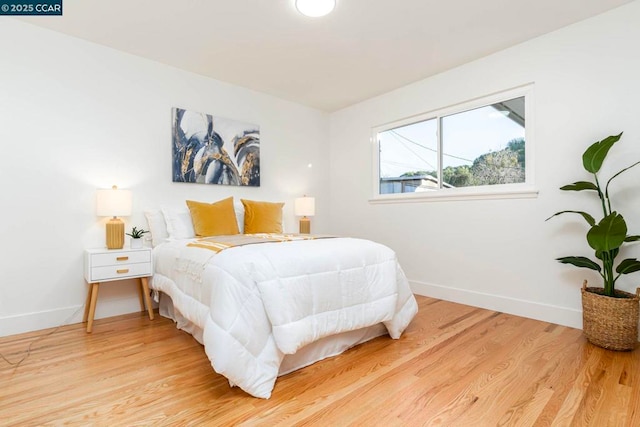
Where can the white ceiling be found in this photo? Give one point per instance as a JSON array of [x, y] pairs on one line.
[[364, 48]]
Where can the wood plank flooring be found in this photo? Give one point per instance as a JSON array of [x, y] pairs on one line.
[[455, 366]]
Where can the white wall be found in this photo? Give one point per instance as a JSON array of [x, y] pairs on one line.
[[500, 254], [76, 116]]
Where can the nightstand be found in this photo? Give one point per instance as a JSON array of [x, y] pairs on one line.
[[108, 265]]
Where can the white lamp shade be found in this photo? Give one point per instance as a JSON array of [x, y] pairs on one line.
[[305, 206], [315, 8], [113, 202]]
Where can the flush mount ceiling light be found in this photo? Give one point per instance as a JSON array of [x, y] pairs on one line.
[[315, 8]]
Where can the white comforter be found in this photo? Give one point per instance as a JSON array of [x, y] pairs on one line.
[[271, 299]]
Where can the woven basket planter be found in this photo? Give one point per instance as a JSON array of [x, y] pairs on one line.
[[609, 322]]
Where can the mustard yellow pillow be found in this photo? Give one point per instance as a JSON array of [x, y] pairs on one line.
[[262, 217], [213, 219]]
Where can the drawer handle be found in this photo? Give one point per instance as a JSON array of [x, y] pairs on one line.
[[122, 258], [126, 270]]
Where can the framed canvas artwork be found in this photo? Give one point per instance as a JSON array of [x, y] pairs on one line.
[[214, 150]]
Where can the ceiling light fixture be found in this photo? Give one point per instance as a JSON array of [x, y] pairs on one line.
[[315, 8]]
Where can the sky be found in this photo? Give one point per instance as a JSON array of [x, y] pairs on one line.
[[466, 136]]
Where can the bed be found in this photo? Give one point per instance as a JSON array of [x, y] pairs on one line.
[[276, 302]]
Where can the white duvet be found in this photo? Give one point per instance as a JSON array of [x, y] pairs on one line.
[[268, 300]]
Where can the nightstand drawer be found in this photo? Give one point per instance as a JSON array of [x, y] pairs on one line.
[[105, 265], [118, 258], [123, 271]]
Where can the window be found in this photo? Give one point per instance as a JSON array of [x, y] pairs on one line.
[[480, 146]]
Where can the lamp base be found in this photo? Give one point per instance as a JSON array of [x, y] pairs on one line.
[[115, 233], [305, 225]]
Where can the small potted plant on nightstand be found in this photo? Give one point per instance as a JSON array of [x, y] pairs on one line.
[[610, 316], [136, 237]]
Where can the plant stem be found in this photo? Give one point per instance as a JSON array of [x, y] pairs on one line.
[[603, 199], [607, 263]]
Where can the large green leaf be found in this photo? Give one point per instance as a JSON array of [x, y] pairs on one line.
[[579, 261], [616, 175], [634, 238], [579, 186], [629, 265], [612, 254], [609, 233], [594, 156], [585, 215]]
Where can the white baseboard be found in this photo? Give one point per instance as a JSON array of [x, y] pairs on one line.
[[533, 310], [36, 321], [549, 313], [29, 322]]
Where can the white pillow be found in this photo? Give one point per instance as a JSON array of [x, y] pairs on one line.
[[179, 224], [238, 207], [157, 226]]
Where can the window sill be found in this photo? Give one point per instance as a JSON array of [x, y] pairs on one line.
[[452, 195]]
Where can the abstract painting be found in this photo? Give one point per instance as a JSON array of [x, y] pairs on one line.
[[215, 150]]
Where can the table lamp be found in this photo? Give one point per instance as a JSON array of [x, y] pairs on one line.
[[114, 203], [305, 207]]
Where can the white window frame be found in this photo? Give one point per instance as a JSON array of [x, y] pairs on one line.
[[498, 191]]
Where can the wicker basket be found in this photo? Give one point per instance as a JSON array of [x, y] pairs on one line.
[[609, 322]]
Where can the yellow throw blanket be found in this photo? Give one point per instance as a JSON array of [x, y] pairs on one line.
[[220, 243]]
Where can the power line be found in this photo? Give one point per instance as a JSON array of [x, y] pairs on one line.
[[407, 166], [396, 135], [394, 132]]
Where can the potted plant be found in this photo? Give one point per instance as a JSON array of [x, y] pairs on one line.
[[136, 237], [610, 316]]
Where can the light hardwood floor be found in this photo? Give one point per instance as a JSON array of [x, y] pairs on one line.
[[455, 366]]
